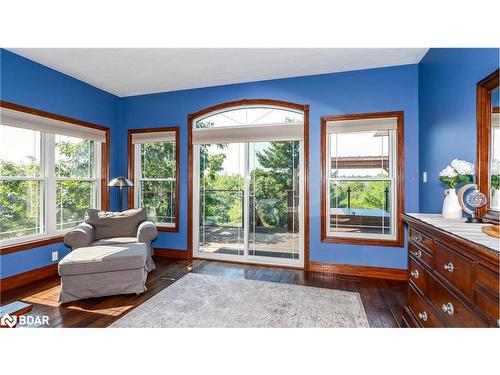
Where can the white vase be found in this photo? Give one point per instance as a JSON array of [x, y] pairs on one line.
[[451, 207]]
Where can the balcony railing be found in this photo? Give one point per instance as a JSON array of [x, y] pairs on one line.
[[292, 208]]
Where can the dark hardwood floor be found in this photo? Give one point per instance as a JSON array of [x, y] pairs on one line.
[[383, 300]]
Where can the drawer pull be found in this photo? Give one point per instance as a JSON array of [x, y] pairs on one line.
[[418, 238], [414, 274], [449, 267], [418, 253], [422, 316], [448, 308]]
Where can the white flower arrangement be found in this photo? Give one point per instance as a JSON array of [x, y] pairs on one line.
[[459, 171], [463, 167], [449, 171]]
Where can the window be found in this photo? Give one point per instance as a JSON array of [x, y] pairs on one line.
[[256, 115], [47, 180], [362, 168], [153, 167], [22, 183], [77, 179]]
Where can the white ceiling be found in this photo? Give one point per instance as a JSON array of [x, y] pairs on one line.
[[134, 71]]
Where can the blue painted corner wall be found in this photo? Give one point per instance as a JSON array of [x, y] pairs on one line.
[[373, 90], [437, 97], [28, 83], [447, 111]]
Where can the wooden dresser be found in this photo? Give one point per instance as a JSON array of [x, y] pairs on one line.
[[453, 273]]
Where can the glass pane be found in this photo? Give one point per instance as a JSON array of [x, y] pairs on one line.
[[72, 200], [158, 160], [19, 152], [251, 116], [360, 154], [360, 207], [158, 198], [222, 198], [274, 199], [21, 205], [74, 157]]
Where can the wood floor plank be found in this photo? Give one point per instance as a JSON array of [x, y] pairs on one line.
[[286, 277]]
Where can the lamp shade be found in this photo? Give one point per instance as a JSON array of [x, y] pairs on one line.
[[120, 182]]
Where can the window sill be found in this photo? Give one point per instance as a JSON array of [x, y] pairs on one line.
[[166, 228], [25, 245], [398, 242]]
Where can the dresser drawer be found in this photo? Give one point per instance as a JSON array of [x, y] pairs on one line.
[[450, 307], [454, 267], [422, 240], [417, 275], [488, 279], [420, 254], [486, 302], [423, 312]]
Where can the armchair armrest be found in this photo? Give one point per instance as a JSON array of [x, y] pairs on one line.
[[80, 236], [147, 232]]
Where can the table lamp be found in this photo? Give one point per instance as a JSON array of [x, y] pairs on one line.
[[120, 182]]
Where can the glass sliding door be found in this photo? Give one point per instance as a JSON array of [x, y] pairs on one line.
[[221, 198], [249, 201], [274, 195]]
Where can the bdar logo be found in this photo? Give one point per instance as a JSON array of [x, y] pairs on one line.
[[9, 321]]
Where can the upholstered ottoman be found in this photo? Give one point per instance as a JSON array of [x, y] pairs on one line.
[[103, 270]]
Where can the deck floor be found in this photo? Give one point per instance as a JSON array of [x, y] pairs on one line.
[[266, 241]]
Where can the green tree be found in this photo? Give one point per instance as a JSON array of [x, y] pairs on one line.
[[20, 207], [271, 183], [274, 185], [222, 195], [158, 161], [73, 198], [19, 201], [363, 194]]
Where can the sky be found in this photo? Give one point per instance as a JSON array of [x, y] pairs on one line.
[[16, 144]]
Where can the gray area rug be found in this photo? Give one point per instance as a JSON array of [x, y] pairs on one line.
[[198, 300]]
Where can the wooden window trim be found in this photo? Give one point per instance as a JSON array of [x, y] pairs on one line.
[[131, 171], [105, 148], [483, 119], [399, 241], [248, 102]]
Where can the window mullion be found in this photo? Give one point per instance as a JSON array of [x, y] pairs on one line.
[[393, 154], [22, 178], [97, 174], [328, 184], [81, 179], [49, 171], [137, 175]]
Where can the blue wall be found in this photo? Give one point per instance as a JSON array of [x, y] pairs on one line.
[[374, 90], [28, 83], [447, 111]]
